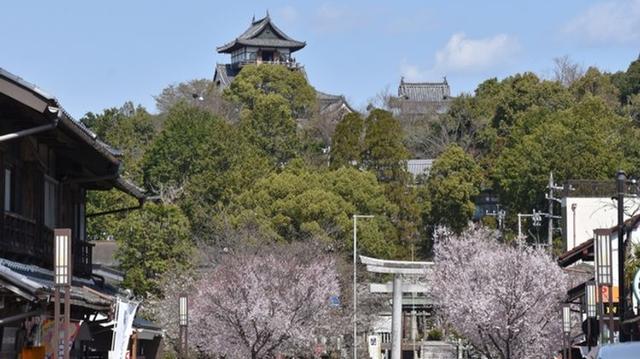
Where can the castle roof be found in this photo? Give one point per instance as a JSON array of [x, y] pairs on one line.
[[263, 33], [424, 91]]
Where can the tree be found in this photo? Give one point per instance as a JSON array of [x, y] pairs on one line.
[[504, 300], [271, 127], [177, 151], [152, 241], [584, 141], [198, 92], [384, 151], [565, 71], [200, 162], [130, 130], [299, 204], [521, 92], [595, 83], [255, 81], [429, 135], [632, 109], [195, 143], [628, 82], [272, 98], [453, 183], [258, 303], [347, 141], [163, 306]]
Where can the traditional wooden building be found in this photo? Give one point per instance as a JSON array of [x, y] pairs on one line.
[[262, 43], [49, 161], [421, 98]]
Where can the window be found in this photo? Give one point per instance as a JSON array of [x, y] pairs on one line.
[[7, 189], [50, 201]]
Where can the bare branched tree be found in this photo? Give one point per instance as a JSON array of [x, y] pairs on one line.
[[566, 71], [198, 92]]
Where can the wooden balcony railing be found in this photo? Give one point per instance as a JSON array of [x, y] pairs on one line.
[[82, 259], [23, 242], [20, 237]]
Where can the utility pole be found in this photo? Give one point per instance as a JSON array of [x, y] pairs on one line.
[[536, 217], [551, 187], [500, 214]]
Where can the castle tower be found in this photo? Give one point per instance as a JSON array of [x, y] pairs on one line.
[[262, 42]]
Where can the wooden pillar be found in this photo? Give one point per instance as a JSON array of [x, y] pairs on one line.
[[134, 345], [2, 174]]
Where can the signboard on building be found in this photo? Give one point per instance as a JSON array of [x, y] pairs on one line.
[[375, 346]]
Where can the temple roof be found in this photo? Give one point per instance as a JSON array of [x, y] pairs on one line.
[[330, 103], [262, 33], [424, 91]]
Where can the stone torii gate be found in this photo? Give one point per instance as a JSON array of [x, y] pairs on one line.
[[398, 269]]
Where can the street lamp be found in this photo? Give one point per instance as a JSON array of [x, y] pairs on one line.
[[591, 308], [184, 323], [604, 274], [355, 294], [566, 328], [62, 279]]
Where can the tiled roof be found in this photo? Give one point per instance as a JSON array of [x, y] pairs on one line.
[[424, 91], [78, 128], [329, 103], [35, 283], [225, 74], [249, 37]]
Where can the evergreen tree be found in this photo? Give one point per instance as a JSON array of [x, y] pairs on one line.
[[347, 144]]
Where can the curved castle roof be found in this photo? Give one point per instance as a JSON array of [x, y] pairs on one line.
[[263, 33]]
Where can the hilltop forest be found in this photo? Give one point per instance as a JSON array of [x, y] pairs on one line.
[[260, 158]]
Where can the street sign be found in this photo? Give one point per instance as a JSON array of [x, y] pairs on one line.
[[611, 309], [334, 301], [605, 294]]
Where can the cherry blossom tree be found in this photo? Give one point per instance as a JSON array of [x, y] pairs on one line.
[[257, 302], [505, 300], [163, 308]]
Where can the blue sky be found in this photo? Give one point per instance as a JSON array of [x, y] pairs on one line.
[[94, 55]]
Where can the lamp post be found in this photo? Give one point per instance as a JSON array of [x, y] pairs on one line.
[[591, 308], [604, 275], [566, 329], [62, 279], [355, 293], [621, 180], [184, 324]]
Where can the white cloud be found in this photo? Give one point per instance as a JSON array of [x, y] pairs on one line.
[[412, 72], [607, 22], [462, 54], [465, 55], [288, 14]]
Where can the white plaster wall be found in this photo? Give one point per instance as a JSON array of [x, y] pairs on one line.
[[591, 213]]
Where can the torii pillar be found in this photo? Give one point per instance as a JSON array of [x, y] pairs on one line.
[[398, 269]]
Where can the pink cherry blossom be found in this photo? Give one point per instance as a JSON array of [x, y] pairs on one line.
[[256, 304], [504, 299]]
